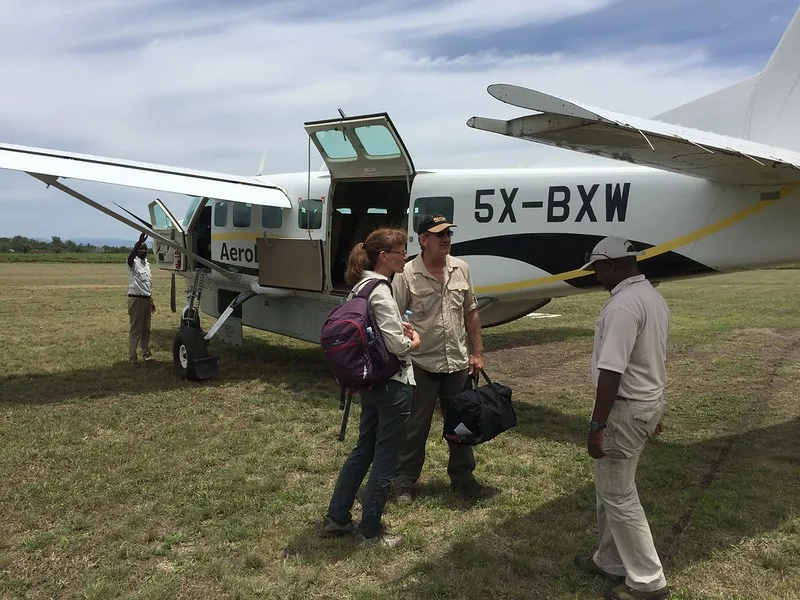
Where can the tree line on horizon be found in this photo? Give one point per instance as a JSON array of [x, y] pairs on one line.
[[24, 245]]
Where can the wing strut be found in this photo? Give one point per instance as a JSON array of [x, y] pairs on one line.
[[51, 180]]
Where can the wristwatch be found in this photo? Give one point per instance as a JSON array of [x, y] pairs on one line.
[[595, 426]]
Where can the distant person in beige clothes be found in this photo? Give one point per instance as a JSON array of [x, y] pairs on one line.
[[140, 300], [629, 374]]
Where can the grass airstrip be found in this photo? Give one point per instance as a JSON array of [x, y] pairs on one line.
[[126, 482]]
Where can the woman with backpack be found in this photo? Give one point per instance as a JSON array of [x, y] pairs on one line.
[[385, 407]]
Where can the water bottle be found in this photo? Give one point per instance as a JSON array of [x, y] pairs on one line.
[[407, 316], [370, 335]]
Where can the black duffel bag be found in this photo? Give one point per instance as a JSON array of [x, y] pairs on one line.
[[479, 414]]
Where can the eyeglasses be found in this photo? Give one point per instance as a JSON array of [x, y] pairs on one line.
[[441, 234], [402, 252]]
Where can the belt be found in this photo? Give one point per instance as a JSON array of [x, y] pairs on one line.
[[138, 296]]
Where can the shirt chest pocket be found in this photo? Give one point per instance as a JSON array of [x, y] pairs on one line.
[[457, 290], [425, 300]]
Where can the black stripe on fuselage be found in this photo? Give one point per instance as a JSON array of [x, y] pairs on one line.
[[561, 252]]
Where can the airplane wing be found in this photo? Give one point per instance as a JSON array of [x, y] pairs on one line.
[[640, 141], [100, 169]]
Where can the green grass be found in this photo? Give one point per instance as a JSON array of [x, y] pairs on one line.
[[123, 482], [62, 257]]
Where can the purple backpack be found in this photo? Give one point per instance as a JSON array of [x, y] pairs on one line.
[[353, 346]]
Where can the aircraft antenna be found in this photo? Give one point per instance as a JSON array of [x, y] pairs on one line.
[[341, 113], [261, 164]]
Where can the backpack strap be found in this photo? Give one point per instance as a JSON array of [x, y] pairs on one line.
[[370, 286]]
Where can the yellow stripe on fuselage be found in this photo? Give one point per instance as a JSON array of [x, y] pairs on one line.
[[649, 253]]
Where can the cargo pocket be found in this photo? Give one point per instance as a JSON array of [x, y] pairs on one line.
[[647, 418], [614, 442]]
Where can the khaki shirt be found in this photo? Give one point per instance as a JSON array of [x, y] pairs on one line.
[[439, 312], [631, 339], [387, 319]]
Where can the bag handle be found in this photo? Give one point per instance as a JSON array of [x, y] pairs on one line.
[[474, 378]]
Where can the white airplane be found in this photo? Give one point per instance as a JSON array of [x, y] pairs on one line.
[[708, 187]]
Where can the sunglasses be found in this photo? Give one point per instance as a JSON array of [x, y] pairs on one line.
[[441, 234]]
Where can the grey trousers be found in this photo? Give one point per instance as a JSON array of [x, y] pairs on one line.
[[140, 316], [382, 432], [626, 544], [431, 386]]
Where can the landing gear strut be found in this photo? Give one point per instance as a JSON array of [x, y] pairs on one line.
[[190, 354]]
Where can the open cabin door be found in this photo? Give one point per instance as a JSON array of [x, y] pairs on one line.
[[165, 224], [370, 185], [366, 146]]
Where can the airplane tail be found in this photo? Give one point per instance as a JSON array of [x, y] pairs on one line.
[[763, 108]]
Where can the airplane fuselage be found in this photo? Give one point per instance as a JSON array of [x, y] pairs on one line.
[[524, 233]]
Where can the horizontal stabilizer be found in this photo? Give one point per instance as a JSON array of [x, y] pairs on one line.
[[219, 186], [645, 142]]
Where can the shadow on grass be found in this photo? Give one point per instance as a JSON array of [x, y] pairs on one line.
[[697, 505], [503, 340], [298, 368]]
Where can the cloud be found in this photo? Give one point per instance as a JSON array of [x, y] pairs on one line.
[[212, 85]]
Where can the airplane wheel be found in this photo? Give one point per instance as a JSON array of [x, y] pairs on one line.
[[188, 346]]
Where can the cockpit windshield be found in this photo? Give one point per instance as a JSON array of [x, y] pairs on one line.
[[187, 218]]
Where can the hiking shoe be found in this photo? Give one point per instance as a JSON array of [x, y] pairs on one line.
[[382, 540], [149, 357], [331, 528], [586, 563], [623, 592], [470, 489]]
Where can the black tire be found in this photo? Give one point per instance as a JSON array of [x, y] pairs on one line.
[[188, 345]]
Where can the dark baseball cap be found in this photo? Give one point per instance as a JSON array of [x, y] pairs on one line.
[[433, 224]]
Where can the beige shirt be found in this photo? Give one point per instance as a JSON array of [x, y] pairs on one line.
[[631, 339], [386, 318], [439, 312]]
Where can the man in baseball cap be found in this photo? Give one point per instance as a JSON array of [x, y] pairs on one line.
[[629, 373], [609, 248], [433, 224]]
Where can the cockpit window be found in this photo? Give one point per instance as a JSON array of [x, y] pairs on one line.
[[187, 218]]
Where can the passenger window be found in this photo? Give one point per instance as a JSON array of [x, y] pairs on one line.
[[241, 214], [441, 205], [271, 217], [220, 214], [310, 214]]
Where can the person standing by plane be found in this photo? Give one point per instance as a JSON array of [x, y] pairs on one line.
[[629, 374], [384, 408], [140, 300], [438, 289]]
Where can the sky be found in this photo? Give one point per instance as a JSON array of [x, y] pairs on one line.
[[215, 85]]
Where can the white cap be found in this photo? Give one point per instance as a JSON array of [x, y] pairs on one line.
[[610, 248]]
